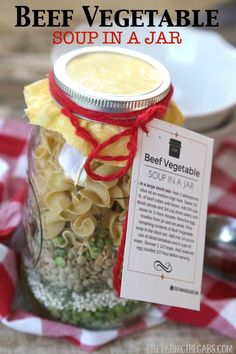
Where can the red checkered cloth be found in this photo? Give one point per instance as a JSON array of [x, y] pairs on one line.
[[218, 304]]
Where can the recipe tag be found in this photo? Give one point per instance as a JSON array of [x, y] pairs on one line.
[[163, 259]]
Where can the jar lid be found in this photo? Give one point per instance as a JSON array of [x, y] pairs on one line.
[[114, 80]]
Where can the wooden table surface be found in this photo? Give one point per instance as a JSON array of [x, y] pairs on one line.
[[25, 57]]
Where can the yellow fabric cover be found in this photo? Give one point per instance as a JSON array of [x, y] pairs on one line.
[[42, 110]]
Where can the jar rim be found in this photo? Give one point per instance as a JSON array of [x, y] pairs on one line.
[[106, 102]]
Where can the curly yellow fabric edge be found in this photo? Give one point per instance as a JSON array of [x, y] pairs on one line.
[[43, 111]]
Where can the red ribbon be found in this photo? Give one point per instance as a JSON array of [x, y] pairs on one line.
[[131, 126]]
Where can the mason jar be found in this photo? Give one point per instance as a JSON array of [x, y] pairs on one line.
[[74, 221]]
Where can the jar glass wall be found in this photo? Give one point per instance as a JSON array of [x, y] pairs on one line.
[[89, 109], [73, 227]]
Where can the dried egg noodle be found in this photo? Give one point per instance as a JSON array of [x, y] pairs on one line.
[[62, 202]]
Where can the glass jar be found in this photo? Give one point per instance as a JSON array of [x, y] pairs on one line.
[[74, 223]]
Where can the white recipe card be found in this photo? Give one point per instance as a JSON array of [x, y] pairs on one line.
[[164, 248]]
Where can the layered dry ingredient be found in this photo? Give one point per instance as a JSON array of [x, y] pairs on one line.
[[75, 230]]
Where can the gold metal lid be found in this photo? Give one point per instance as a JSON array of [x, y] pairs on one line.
[[114, 80]]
